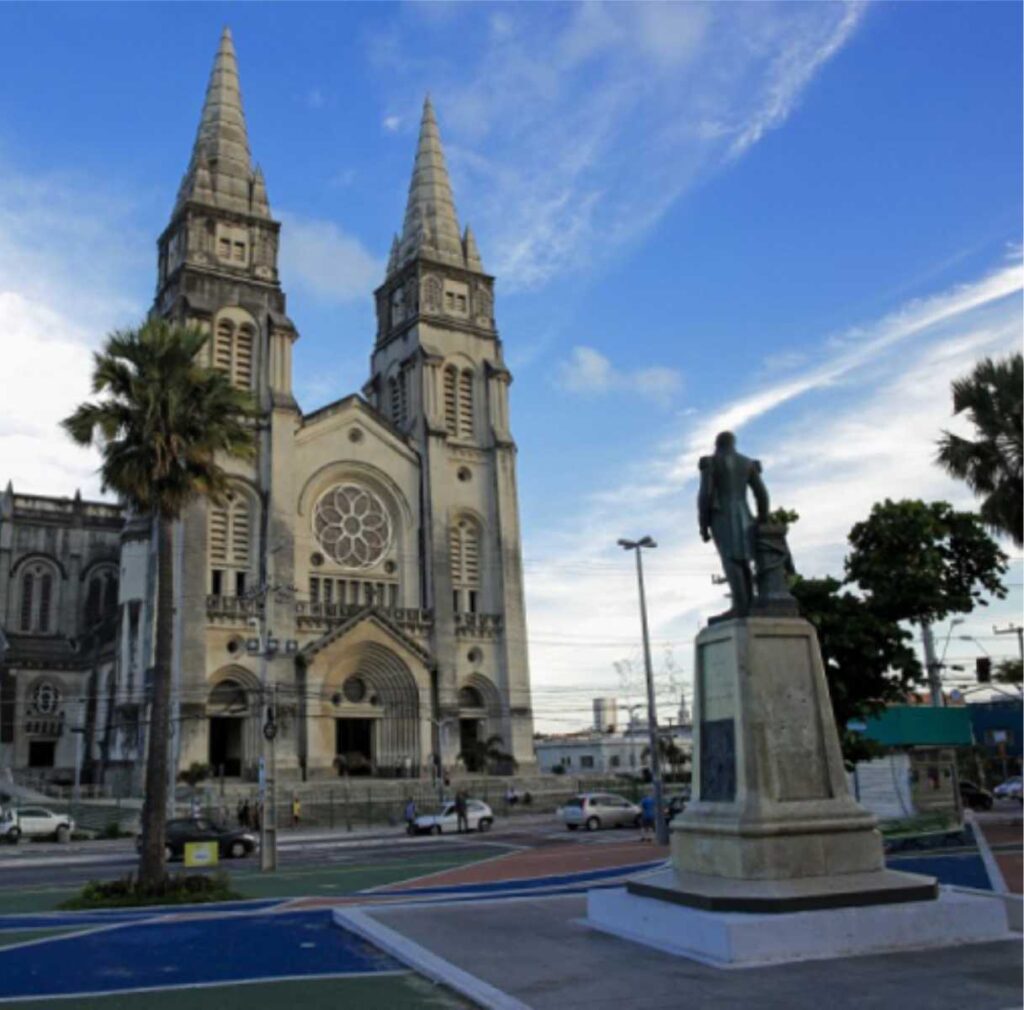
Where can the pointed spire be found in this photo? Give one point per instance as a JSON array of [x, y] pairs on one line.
[[222, 142], [393, 257], [470, 251], [431, 224]]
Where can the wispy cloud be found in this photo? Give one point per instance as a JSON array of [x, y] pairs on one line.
[[858, 426], [589, 372], [318, 258], [571, 129]]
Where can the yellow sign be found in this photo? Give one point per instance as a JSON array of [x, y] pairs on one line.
[[201, 853]]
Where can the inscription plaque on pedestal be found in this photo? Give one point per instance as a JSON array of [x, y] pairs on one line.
[[718, 761]]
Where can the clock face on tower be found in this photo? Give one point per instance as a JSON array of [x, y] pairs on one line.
[[352, 526]]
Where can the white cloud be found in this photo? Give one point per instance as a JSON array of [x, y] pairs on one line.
[[589, 372], [392, 123], [319, 258], [858, 427], [73, 266], [595, 118]]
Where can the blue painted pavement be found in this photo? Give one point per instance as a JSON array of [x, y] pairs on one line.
[[193, 951]]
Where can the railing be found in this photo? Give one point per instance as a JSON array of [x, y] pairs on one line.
[[469, 625], [313, 615], [231, 607]]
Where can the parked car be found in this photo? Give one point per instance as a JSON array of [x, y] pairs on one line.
[[479, 817], [35, 822], [973, 796], [232, 843], [1011, 789], [599, 810]]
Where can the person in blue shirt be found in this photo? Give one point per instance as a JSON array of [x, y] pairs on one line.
[[647, 819]]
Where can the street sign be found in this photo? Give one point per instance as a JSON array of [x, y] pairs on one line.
[[201, 853]]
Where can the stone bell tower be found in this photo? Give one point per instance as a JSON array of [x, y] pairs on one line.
[[438, 373]]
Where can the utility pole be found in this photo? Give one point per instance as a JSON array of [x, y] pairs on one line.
[[661, 827], [1013, 629], [932, 665]]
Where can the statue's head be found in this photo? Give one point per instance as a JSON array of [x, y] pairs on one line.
[[725, 442]]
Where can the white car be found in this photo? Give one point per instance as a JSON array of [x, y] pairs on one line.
[[35, 822], [478, 816], [599, 810], [1011, 789]]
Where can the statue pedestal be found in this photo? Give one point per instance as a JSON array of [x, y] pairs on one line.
[[773, 843]]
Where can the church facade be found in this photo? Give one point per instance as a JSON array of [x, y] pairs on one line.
[[361, 587]]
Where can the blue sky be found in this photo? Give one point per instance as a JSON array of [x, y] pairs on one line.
[[800, 220]]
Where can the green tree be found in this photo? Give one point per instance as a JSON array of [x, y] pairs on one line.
[[487, 755], [161, 425], [923, 562], [1009, 671], [992, 463], [869, 659]]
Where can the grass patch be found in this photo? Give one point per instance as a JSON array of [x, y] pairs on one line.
[[920, 824], [180, 889]]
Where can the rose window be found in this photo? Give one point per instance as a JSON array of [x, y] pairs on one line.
[[352, 526]]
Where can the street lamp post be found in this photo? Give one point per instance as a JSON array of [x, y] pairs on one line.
[[661, 827]]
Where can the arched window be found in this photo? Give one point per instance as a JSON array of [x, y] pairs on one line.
[[100, 597], [464, 553], [451, 414], [233, 351], [397, 399], [229, 545], [466, 404], [37, 600]]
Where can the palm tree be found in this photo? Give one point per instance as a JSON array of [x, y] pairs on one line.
[[162, 424], [483, 755], [991, 464]]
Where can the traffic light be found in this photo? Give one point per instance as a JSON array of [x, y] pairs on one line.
[[983, 669]]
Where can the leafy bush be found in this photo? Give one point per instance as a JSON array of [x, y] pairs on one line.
[[180, 889], [114, 830]]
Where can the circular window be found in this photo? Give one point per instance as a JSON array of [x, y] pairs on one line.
[[355, 435], [390, 567], [235, 645], [352, 526], [465, 474], [475, 655], [354, 690], [316, 559], [46, 699]]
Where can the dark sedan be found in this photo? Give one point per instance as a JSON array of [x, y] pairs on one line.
[[232, 843]]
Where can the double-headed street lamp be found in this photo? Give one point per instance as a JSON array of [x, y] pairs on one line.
[[661, 827]]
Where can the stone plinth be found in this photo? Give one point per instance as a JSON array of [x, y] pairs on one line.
[[771, 800]]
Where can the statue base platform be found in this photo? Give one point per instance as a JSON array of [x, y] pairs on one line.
[[727, 939], [773, 897]]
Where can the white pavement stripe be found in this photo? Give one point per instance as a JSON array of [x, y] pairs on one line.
[[424, 962], [995, 875]]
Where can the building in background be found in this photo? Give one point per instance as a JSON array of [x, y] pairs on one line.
[[378, 536]]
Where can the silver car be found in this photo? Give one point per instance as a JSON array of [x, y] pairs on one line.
[[599, 810]]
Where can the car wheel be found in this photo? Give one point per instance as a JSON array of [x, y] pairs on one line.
[[14, 835], [593, 824], [572, 827], [435, 829], [485, 824], [237, 850], [63, 834]]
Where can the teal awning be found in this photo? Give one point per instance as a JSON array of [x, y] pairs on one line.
[[920, 726]]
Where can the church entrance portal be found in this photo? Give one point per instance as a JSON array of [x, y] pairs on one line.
[[353, 744], [469, 735], [226, 745]]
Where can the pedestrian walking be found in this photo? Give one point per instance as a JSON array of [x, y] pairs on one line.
[[296, 811], [410, 815], [460, 812]]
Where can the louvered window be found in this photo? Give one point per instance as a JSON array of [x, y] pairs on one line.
[[451, 416], [233, 350], [45, 600], [466, 404], [464, 555], [27, 590], [229, 533], [222, 346], [242, 372]]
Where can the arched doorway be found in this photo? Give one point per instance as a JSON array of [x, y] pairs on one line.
[[374, 703], [228, 709]]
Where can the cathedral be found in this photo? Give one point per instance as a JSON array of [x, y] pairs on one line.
[[361, 587]]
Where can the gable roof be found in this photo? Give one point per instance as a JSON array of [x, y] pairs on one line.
[[382, 621]]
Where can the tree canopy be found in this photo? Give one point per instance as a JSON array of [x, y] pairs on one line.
[[991, 463]]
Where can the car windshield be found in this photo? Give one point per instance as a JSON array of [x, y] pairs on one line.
[[576, 801]]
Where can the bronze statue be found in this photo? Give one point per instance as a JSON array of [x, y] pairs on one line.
[[725, 516]]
